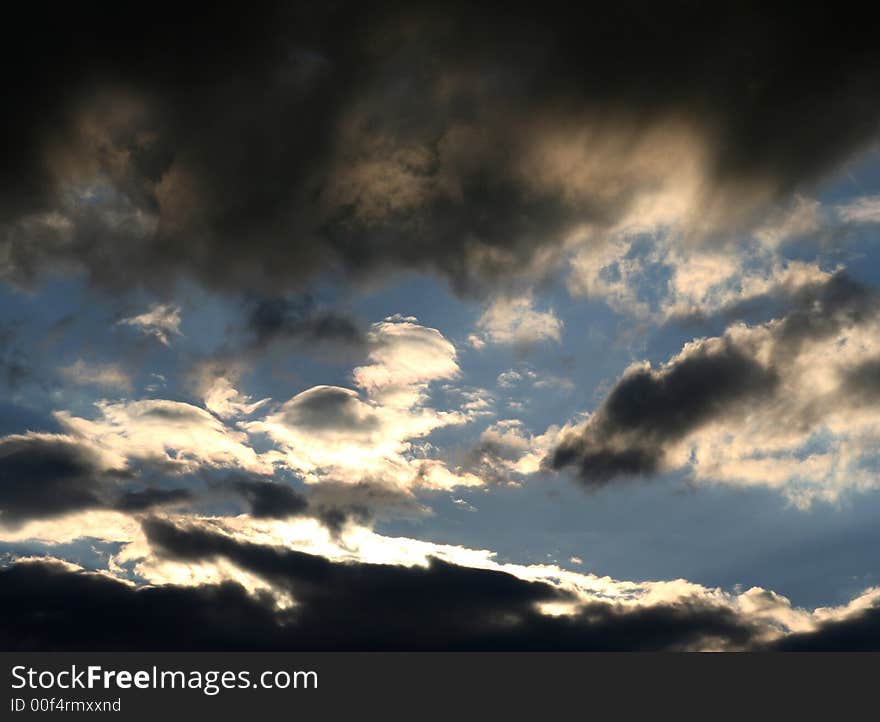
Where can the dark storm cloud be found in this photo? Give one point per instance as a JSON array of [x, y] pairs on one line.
[[337, 503], [47, 476], [649, 410], [269, 499], [254, 150], [444, 606], [135, 501], [820, 310], [279, 319], [333, 504], [857, 633], [864, 380], [47, 607], [340, 606]]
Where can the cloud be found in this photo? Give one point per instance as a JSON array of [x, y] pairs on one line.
[[305, 141], [660, 160], [515, 321], [272, 326], [365, 446], [404, 358], [52, 476], [269, 499], [654, 274], [278, 319], [44, 476], [301, 578], [648, 270], [329, 433], [172, 435], [512, 378], [803, 217], [649, 410], [861, 210], [334, 434], [223, 399], [443, 607], [854, 627], [168, 617], [338, 505], [506, 452], [105, 375], [784, 404], [391, 595], [162, 321], [148, 499]]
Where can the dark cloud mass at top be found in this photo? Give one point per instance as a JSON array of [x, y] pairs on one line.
[[254, 150]]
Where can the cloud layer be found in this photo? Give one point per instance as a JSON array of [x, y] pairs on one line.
[[786, 403], [267, 596], [467, 142]]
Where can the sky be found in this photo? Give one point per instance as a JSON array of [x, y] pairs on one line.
[[421, 326]]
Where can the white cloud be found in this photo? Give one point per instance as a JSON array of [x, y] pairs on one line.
[[509, 448], [608, 272], [862, 210], [511, 378], [161, 321], [223, 399], [650, 268], [476, 342], [105, 375], [177, 435], [405, 357], [802, 218], [330, 433], [658, 277], [514, 320]]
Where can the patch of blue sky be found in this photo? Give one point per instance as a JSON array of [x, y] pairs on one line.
[[88, 552]]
